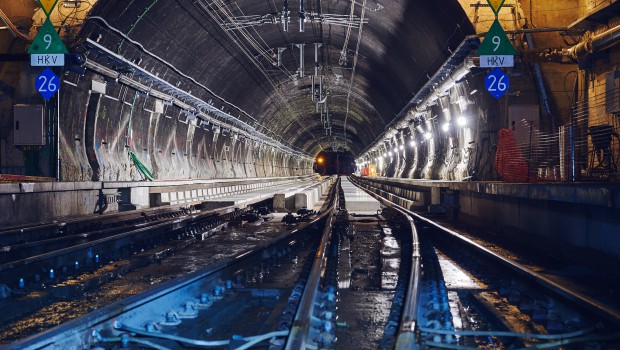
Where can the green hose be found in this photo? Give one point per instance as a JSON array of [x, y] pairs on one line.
[[143, 169]]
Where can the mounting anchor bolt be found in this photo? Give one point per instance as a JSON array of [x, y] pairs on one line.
[[125, 340]]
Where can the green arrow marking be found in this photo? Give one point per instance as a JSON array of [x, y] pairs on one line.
[[47, 41], [496, 42]]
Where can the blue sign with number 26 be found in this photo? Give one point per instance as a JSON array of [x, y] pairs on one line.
[[497, 83], [47, 83]]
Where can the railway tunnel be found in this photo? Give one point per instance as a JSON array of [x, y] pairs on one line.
[[143, 131]]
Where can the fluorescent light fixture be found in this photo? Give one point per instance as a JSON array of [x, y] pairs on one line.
[[390, 154], [402, 147], [428, 135], [445, 127], [395, 149], [461, 121], [412, 143]]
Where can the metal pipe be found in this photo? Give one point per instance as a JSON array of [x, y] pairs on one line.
[[285, 16], [302, 16], [316, 58], [58, 136], [457, 74], [301, 59], [12, 27], [175, 95], [595, 43]]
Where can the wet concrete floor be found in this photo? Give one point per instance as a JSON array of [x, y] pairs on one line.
[[365, 300]]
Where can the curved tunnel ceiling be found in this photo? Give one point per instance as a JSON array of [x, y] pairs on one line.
[[401, 45]]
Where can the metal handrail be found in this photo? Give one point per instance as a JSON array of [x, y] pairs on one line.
[[301, 325], [406, 336]]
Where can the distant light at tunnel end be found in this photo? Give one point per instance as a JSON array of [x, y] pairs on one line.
[[461, 121]]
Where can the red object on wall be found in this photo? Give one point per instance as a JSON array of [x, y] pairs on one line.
[[511, 165]]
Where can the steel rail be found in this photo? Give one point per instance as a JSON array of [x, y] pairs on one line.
[[57, 258], [53, 229], [78, 331], [301, 324], [406, 336], [571, 296]]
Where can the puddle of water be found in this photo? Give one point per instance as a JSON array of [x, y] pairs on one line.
[[390, 260], [455, 277]]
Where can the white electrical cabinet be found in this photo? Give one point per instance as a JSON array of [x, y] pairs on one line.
[[28, 125]]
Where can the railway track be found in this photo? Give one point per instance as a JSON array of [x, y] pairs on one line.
[[286, 291], [266, 280], [394, 280], [472, 297], [62, 254]]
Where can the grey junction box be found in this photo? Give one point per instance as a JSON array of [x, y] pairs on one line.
[[28, 125]]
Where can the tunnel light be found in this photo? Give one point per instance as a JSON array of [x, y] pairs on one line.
[[461, 121], [428, 135], [413, 143], [445, 127], [385, 155], [395, 149], [390, 154], [402, 147]]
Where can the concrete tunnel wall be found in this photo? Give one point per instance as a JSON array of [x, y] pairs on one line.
[[462, 153], [98, 131]]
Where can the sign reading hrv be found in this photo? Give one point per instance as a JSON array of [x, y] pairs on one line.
[[47, 83], [493, 61], [47, 41], [496, 5], [497, 83], [47, 60]]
